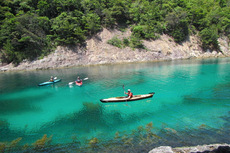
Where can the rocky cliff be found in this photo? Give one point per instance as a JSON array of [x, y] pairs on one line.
[[98, 51]]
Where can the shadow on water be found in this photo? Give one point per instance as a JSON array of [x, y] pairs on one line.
[[7, 134], [93, 117], [222, 91], [143, 139], [20, 104], [90, 118], [216, 96], [192, 137]]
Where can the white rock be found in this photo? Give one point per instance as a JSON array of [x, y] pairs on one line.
[[162, 149]]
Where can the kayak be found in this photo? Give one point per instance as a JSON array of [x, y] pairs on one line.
[[49, 82], [79, 83], [126, 99]]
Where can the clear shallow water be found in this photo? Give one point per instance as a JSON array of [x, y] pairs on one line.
[[192, 100]]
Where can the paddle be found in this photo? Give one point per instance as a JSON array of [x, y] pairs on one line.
[[85, 78], [53, 79], [70, 83], [124, 94], [124, 88]]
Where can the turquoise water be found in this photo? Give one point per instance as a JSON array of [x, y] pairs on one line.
[[192, 100]]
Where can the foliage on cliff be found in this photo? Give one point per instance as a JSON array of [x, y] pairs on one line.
[[32, 28]]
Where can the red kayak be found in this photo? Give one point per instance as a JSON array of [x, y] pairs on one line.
[[79, 83]]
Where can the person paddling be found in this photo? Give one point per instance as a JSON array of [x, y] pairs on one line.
[[51, 79], [129, 94], [79, 80]]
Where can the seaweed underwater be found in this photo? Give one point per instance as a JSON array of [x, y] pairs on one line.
[[20, 104], [142, 139]]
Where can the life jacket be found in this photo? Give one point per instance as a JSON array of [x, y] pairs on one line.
[[130, 94], [78, 80]]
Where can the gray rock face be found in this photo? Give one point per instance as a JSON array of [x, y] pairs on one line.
[[98, 51]]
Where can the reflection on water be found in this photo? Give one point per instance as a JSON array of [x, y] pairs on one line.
[[190, 107]]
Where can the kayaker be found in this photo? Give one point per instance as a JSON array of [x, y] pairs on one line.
[[129, 93], [51, 79], [78, 80]]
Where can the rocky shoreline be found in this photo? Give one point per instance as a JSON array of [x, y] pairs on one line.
[[98, 51], [212, 148]]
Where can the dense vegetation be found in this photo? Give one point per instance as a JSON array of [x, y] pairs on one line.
[[32, 28]]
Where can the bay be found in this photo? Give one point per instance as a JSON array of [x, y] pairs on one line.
[[190, 106]]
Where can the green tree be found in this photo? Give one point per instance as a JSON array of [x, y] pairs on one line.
[[139, 31], [92, 23], [119, 10], [3, 10], [52, 8], [177, 24], [108, 20], [115, 42], [29, 27], [32, 39], [67, 29], [8, 33], [223, 20], [8, 52], [138, 8], [209, 38], [23, 37], [136, 42], [91, 6], [196, 12]]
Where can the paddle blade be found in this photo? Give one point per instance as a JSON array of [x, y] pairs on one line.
[[55, 78], [70, 83], [85, 78]]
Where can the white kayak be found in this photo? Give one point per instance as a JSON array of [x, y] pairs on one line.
[[126, 99]]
